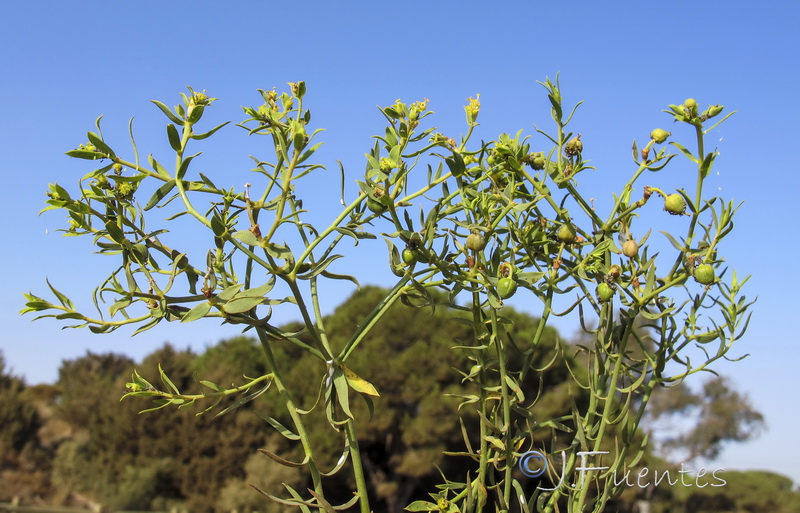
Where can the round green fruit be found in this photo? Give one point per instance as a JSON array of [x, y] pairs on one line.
[[506, 287], [376, 206], [476, 241], [675, 204], [566, 233], [659, 135], [409, 256], [604, 292], [630, 249], [704, 274]]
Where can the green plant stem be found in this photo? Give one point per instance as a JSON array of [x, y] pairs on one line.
[[293, 412], [372, 319], [224, 393], [497, 337], [358, 469]]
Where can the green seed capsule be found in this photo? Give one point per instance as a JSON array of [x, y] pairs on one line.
[[704, 274], [476, 241], [566, 233], [604, 292], [675, 204], [659, 135], [506, 287], [630, 249]]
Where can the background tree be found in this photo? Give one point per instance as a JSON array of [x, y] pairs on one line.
[[703, 421], [23, 462]]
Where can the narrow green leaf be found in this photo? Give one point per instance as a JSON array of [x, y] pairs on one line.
[[158, 168], [174, 137], [83, 154], [198, 312], [185, 166], [677, 245], [280, 428], [229, 292], [119, 305], [167, 112], [168, 384], [70, 315], [244, 400], [247, 237], [213, 386], [160, 194], [421, 506], [64, 300], [240, 305], [101, 146], [259, 292], [341, 386], [147, 326], [210, 132], [685, 151]]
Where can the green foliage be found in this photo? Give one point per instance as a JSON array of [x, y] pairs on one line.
[[473, 222]]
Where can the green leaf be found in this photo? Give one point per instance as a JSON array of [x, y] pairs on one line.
[[421, 506], [247, 237], [359, 384], [212, 386], [240, 305], [114, 231], [158, 168], [280, 428], [210, 132], [70, 315], [100, 144], [341, 386], [320, 267], [119, 305], [160, 194], [244, 400], [83, 154], [259, 292], [174, 137], [64, 300], [147, 326], [677, 245], [167, 112], [229, 292], [168, 384], [685, 151], [185, 166], [198, 312], [496, 442]]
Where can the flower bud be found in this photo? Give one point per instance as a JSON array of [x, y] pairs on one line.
[[472, 109], [714, 110], [691, 106]]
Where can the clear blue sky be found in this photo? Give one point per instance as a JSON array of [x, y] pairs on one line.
[[63, 64]]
